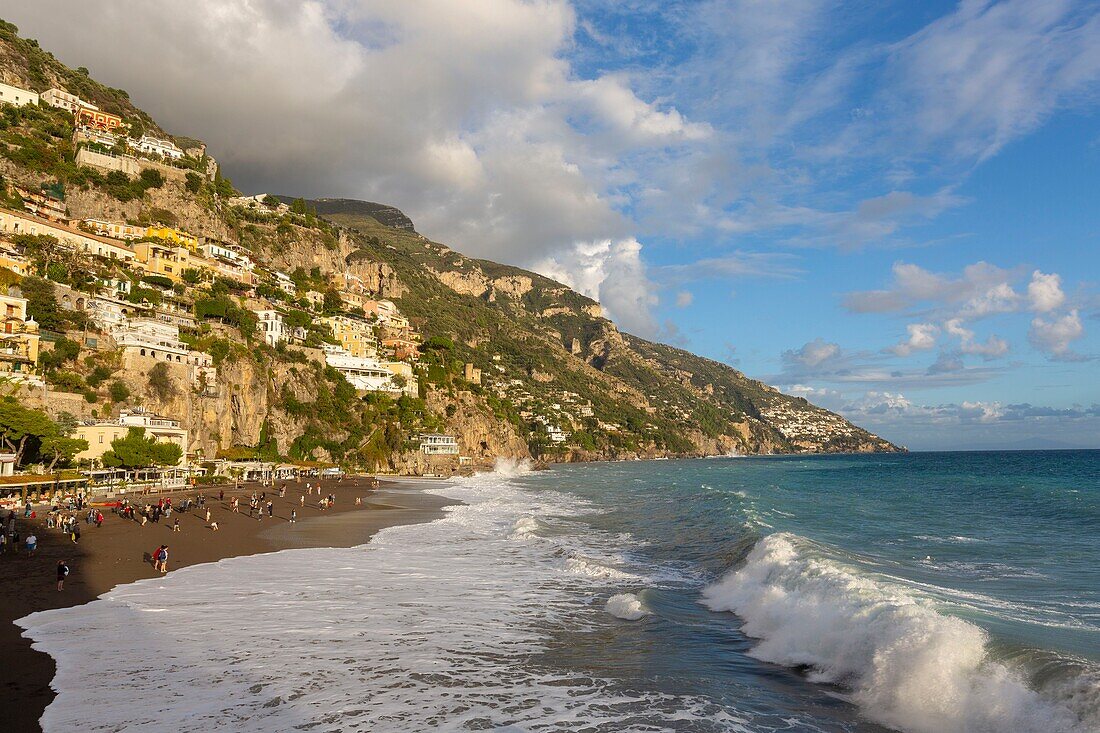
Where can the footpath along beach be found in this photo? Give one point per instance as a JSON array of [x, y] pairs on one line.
[[120, 552]]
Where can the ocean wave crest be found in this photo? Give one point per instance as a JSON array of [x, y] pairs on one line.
[[907, 665]]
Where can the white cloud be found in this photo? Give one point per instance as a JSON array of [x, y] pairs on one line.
[[980, 77], [612, 272], [468, 116], [1055, 335], [814, 354], [992, 348], [684, 298], [1044, 292], [922, 337]]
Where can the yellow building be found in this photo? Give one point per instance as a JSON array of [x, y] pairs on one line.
[[18, 338], [100, 434], [171, 234], [15, 263], [163, 259], [355, 335]]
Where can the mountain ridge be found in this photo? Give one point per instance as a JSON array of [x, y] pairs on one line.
[[515, 363]]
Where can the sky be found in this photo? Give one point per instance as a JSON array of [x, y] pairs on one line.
[[889, 208]]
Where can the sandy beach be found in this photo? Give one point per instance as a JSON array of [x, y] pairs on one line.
[[119, 551]]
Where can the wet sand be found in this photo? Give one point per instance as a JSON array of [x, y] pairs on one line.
[[119, 552]]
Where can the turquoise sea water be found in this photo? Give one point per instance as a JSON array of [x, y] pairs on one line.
[[928, 593], [812, 580]]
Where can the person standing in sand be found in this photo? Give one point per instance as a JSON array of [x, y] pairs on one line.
[[208, 516], [293, 516], [302, 499], [62, 573]]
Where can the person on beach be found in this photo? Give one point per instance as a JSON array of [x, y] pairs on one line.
[[62, 573], [176, 525], [74, 531], [221, 495], [98, 518], [214, 526], [3, 543], [160, 559], [31, 543], [270, 509], [293, 517], [303, 499], [208, 516]]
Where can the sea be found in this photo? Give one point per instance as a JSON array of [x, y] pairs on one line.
[[928, 592]]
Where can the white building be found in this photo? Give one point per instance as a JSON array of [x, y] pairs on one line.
[[272, 325], [62, 99], [434, 444], [152, 338], [226, 252], [18, 97], [285, 283], [110, 314], [365, 373], [156, 146]]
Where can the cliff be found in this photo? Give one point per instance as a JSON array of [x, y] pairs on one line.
[[515, 363]]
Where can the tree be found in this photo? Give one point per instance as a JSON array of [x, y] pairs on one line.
[[194, 182], [160, 382], [42, 303], [136, 451], [119, 391], [64, 350], [333, 302], [22, 428], [61, 447]]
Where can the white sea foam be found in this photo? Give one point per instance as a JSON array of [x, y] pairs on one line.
[[429, 627], [626, 606], [524, 527], [581, 565], [907, 665]]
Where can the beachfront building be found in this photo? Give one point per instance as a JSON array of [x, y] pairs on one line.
[[18, 97], [354, 335], [436, 444], [18, 338], [272, 326], [116, 229], [150, 145], [101, 433]]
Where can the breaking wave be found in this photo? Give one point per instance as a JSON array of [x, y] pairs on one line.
[[907, 665], [626, 606]]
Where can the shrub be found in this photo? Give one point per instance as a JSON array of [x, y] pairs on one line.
[[119, 391]]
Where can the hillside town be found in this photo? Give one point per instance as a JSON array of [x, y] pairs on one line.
[[151, 293], [164, 329]]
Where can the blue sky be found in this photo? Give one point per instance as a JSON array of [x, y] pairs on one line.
[[888, 207]]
